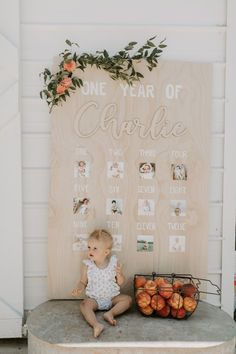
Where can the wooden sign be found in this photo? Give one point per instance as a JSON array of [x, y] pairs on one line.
[[135, 161]]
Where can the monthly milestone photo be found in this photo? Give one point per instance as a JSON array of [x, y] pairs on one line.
[[178, 207], [117, 242], [147, 170], [81, 205], [176, 243], [114, 206], [81, 169], [145, 243], [146, 207], [115, 169], [80, 242], [179, 172]]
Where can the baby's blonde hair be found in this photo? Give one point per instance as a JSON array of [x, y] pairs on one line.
[[102, 235]]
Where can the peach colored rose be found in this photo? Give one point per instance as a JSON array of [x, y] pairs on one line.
[[66, 82], [69, 65], [60, 89]]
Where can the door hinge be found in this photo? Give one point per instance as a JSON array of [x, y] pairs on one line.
[[24, 330]]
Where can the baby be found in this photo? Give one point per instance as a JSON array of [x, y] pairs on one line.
[[101, 277]]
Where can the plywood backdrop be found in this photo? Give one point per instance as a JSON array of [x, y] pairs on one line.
[[135, 161]]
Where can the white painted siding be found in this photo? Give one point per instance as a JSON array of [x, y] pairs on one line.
[[163, 12], [11, 255], [195, 31], [229, 187]]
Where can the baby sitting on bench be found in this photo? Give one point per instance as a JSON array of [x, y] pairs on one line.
[[101, 277]]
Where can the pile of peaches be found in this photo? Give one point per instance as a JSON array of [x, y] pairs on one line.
[[165, 296]]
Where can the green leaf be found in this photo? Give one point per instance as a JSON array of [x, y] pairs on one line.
[[121, 53], [65, 56], [48, 72], [150, 44], [129, 65], [68, 42], [137, 57], [163, 41], [155, 50], [129, 47], [74, 81], [151, 39], [139, 74], [162, 45], [119, 66]]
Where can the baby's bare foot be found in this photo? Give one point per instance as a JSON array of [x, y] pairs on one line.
[[109, 318], [97, 330]]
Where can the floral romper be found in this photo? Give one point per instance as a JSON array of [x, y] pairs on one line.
[[102, 285]]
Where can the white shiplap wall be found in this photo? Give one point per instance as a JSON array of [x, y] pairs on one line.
[[195, 31], [11, 255], [229, 186]]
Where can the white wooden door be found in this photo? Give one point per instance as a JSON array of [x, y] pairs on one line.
[[11, 256]]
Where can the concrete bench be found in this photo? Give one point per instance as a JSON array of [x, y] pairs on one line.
[[57, 327]]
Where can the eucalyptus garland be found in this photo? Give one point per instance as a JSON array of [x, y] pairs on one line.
[[121, 66]]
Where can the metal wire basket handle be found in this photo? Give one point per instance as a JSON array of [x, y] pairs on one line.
[[197, 281]]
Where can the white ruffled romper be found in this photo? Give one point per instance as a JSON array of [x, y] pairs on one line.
[[102, 285]]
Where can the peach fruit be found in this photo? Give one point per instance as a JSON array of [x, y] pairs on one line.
[[177, 285], [143, 299], [147, 310], [190, 304], [189, 290], [157, 302], [178, 313], [159, 281], [150, 287], [164, 312], [139, 281], [166, 290], [175, 301]]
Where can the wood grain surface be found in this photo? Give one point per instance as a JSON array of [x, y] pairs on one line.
[[163, 122]]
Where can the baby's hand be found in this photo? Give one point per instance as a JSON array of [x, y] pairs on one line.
[[76, 292], [119, 269], [119, 275]]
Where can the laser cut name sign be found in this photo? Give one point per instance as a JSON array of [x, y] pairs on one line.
[[160, 126], [133, 160]]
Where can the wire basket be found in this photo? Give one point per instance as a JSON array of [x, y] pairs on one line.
[[169, 295]]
